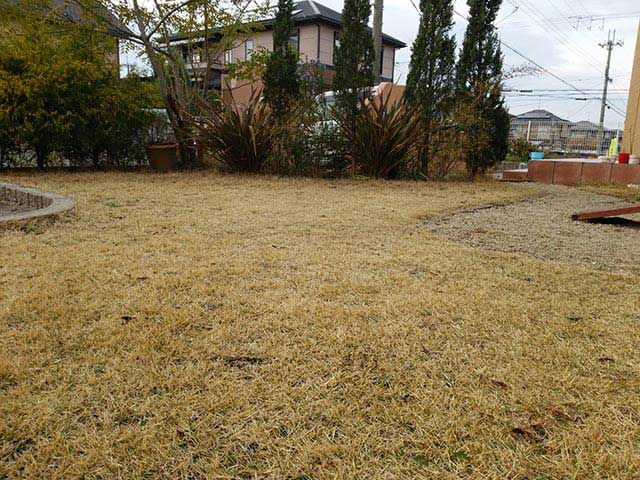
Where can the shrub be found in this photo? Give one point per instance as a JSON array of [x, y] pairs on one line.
[[61, 100], [519, 150], [382, 138], [305, 140], [239, 138]]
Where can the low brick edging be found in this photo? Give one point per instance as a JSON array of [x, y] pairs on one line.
[[574, 173], [44, 204]]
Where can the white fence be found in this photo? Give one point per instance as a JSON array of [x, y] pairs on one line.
[[582, 138]]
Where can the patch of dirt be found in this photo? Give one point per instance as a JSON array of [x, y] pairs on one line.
[[542, 227]]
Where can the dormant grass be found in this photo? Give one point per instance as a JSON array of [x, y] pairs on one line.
[[221, 327]]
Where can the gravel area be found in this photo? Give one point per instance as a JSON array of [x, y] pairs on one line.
[[542, 228], [11, 208]]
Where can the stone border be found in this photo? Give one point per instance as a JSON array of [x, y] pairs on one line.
[[44, 204]]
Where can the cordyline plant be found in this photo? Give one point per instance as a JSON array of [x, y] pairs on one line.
[[210, 27], [383, 138], [239, 138]]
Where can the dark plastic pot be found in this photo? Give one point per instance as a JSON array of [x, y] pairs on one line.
[[163, 157]]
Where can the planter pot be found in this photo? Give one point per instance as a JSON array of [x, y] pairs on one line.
[[163, 157]]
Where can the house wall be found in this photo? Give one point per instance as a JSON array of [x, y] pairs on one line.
[[388, 58], [326, 44], [308, 38], [631, 139], [308, 53]]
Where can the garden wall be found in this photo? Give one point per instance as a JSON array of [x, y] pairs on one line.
[[564, 172]]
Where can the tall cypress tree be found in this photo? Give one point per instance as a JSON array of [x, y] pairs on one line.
[[281, 79], [479, 77], [431, 79], [354, 57]]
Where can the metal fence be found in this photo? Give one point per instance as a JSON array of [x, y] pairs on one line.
[[581, 139]]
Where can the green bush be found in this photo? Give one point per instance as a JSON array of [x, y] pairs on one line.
[[239, 139], [519, 150], [60, 98]]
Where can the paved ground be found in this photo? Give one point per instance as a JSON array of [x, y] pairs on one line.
[[543, 229]]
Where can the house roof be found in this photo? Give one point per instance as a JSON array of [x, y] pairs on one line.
[[538, 116], [72, 11], [585, 125], [310, 11]]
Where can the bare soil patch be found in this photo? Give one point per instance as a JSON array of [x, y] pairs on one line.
[[542, 227]]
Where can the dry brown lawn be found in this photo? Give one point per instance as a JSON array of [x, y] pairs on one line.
[[203, 326]]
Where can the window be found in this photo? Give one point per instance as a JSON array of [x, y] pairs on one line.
[[195, 57], [228, 57], [336, 45], [294, 41], [248, 49]]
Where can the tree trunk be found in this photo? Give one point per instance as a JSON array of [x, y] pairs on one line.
[[169, 92], [377, 39], [41, 158]]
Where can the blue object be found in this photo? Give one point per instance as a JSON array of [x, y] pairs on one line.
[[536, 155]]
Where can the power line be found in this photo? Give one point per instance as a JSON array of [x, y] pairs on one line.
[[561, 36], [531, 61]]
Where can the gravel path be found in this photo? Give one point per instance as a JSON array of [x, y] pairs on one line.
[[543, 228]]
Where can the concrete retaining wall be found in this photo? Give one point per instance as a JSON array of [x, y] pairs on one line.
[[573, 173], [42, 204]]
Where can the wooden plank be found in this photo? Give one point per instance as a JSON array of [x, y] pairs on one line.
[[610, 212]]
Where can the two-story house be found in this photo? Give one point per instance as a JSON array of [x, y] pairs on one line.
[[316, 36]]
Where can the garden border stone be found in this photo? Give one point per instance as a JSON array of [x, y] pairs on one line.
[[43, 204]]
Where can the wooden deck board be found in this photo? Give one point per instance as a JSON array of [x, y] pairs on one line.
[[605, 213]]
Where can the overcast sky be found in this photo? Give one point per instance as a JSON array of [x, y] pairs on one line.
[[548, 32], [560, 35]]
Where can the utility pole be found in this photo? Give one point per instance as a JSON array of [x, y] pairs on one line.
[[609, 45], [377, 38]]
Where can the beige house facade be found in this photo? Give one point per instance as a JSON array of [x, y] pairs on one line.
[[316, 36], [631, 142]]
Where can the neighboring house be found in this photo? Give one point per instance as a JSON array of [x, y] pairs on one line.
[[540, 127], [631, 142], [99, 18], [316, 35], [547, 130]]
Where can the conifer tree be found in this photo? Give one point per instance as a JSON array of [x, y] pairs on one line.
[[281, 79], [354, 68], [354, 57], [479, 77], [431, 79]]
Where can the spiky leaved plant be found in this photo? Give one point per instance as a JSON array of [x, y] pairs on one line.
[[383, 137], [238, 137]]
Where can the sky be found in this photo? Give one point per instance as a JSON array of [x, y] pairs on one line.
[[563, 36]]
